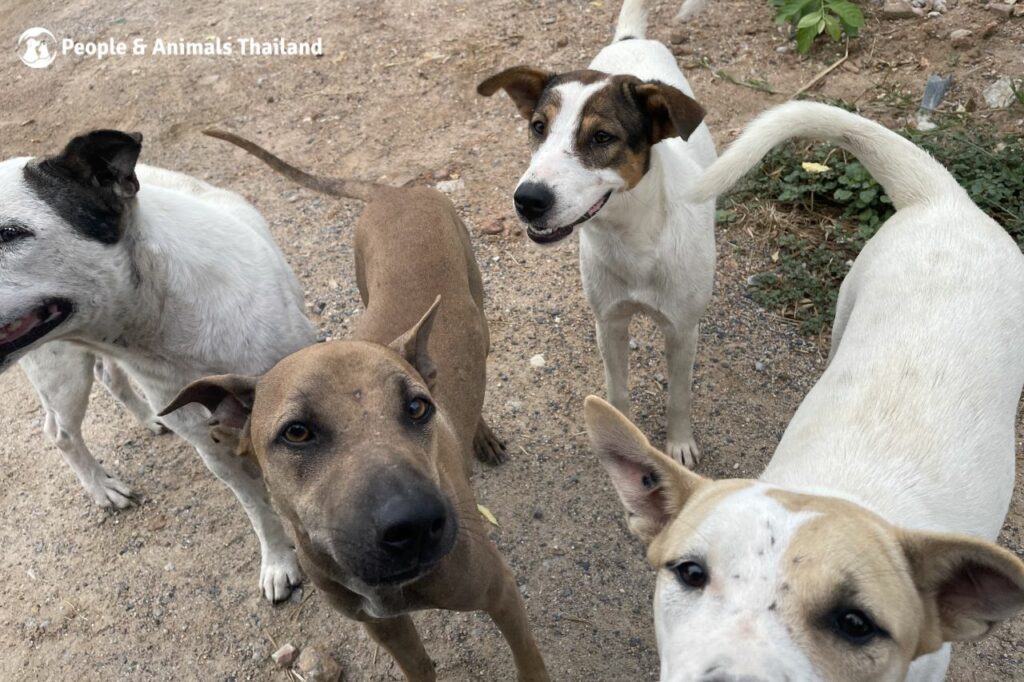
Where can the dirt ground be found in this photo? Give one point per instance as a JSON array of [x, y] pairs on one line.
[[167, 591]]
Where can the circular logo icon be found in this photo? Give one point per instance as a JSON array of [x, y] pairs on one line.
[[37, 48]]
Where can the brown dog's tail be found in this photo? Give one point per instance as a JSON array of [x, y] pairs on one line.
[[337, 187]]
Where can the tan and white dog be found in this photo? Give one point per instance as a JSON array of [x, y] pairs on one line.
[[615, 147], [866, 546]]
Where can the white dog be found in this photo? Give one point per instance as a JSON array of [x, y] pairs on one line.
[[866, 545], [616, 146], [173, 282]]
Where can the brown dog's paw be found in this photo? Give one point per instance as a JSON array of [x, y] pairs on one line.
[[487, 447]]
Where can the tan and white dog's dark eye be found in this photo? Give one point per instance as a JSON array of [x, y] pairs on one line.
[[539, 127], [601, 137], [691, 574], [297, 433], [855, 626], [419, 409]]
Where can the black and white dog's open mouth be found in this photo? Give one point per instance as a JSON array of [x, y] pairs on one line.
[[29, 328], [554, 234]]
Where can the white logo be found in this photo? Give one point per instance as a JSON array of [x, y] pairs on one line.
[[37, 48]]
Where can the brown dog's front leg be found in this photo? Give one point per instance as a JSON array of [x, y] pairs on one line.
[[399, 637], [507, 610]]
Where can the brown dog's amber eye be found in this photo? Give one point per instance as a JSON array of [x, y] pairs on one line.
[[418, 409], [692, 574], [297, 433], [601, 137]]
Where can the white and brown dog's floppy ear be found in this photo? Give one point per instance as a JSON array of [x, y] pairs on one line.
[[672, 113], [523, 84], [104, 159], [968, 586], [652, 486], [412, 345], [229, 399]]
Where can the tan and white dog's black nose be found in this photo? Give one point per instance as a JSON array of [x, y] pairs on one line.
[[533, 200]]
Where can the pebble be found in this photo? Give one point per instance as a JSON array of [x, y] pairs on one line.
[[1001, 9], [316, 666], [537, 361], [285, 656], [961, 37], [990, 29], [450, 186], [562, 42], [897, 9], [759, 366], [633, 344]]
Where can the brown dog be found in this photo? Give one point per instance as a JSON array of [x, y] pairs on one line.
[[365, 443]]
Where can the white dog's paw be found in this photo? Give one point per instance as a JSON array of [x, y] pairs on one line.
[[156, 426], [109, 492], [279, 575], [685, 452]]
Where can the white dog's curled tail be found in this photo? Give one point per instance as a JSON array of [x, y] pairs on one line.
[[633, 17], [908, 174]]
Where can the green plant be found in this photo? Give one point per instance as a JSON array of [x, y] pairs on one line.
[[832, 213], [811, 18]]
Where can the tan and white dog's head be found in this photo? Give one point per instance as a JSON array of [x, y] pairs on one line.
[[592, 134], [756, 583]]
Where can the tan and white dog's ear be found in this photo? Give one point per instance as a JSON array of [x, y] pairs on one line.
[[672, 112], [968, 586], [652, 486], [229, 399], [523, 84], [412, 345]]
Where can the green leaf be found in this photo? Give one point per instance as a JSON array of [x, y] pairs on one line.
[[848, 12], [808, 20], [842, 195], [867, 196], [804, 38], [832, 24]]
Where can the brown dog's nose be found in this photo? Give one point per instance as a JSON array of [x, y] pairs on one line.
[[411, 528]]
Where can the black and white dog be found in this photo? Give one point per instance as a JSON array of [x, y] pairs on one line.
[[154, 272]]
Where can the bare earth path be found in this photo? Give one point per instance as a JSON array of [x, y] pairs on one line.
[[167, 591]]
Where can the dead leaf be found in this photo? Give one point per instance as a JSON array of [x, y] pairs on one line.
[[486, 513]]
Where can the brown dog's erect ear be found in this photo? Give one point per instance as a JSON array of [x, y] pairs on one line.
[[672, 112], [104, 159], [968, 585], [652, 486], [523, 84], [412, 345], [228, 397]]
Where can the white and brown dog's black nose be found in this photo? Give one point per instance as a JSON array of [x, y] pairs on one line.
[[533, 200]]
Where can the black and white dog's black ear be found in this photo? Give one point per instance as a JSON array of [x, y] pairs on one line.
[[103, 159]]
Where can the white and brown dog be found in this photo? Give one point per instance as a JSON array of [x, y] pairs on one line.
[[866, 546], [616, 146], [154, 272]]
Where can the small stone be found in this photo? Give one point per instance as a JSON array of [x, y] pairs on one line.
[[682, 50], [990, 29], [633, 344], [158, 522], [783, 49], [537, 361], [496, 226], [1000, 9], [547, 21], [538, 514], [1000, 94], [1018, 11], [450, 186], [961, 37], [285, 656], [897, 9], [679, 37], [316, 666], [759, 366], [562, 42]]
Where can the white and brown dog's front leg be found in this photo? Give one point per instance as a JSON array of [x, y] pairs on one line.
[[279, 568], [680, 354], [613, 342]]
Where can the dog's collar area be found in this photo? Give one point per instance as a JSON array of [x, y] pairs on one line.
[[29, 328], [555, 234]]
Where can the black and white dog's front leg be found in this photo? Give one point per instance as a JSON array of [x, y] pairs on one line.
[[279, 568]]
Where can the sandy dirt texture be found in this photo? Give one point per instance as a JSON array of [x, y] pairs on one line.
[[168, 590]]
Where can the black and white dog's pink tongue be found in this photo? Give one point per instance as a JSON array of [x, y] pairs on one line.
[[19, 328]]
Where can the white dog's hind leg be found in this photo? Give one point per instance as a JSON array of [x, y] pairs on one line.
[[279, 568], [680, 352], [62, 376], [613, 342], [114, 379]]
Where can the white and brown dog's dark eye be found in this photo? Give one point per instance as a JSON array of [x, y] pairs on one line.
[[297, 433], [11, 233], [538, 127], [419, 409], [854, 626], [601, 137], [692, 574]]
